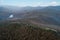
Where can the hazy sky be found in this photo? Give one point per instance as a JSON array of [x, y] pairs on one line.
[[30, 2]]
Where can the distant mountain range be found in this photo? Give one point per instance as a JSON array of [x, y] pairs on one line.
[[29, 23], [44, 15], [18, 12]]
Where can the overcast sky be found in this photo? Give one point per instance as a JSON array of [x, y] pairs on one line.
[[30, 2]]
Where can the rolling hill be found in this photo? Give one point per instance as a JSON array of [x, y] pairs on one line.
[[19, 30], [30, 23], [47, 16]]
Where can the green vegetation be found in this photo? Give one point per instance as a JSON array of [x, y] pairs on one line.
[[24, 31]]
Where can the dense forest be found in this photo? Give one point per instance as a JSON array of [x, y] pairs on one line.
[[14, 30]]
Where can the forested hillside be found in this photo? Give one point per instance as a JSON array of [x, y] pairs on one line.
[[14, 30]]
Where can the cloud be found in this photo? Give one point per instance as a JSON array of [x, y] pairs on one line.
[[53, 3], [23, 4], [34, 4]]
